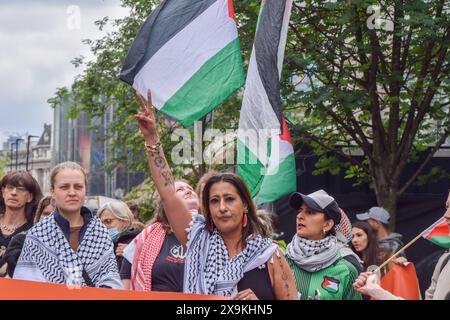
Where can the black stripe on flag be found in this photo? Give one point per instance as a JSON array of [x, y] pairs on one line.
[[169, 18], [267, 41]]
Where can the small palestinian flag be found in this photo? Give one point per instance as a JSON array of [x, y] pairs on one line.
[[188, 53], [330, 284], [438, 233]]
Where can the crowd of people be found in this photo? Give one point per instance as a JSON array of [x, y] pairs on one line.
[[206, 240]]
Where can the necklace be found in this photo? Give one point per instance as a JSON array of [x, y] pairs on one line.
[[8, 229]]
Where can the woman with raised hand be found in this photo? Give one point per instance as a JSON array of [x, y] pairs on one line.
[[72, 246], [154, 261], [226, 254]]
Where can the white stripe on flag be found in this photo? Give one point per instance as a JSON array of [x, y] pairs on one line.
[[183, 55]]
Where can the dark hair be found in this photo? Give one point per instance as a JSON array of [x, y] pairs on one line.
[[46, 201], [253, 225], [370, 255], [200, 186], [23, 179]]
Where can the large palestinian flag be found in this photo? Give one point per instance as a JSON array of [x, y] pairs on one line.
[[188, 53], [265, 154], [438, 233]]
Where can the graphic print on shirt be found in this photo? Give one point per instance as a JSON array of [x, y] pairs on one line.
[[177, 254], [330, 284]]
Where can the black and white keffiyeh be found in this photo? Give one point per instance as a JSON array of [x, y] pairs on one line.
[[47, 256], [312, 255], [209, 270]]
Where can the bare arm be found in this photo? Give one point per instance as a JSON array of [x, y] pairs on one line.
[[176, 210], [283, 281]]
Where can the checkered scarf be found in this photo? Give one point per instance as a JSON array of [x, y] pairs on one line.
[[312, 255], [148, 245], [208, 269], [47, 256]]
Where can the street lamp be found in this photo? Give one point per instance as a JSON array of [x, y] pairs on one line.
[[17, 150], [28, 148]]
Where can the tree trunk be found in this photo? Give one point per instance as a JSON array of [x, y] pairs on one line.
[[387, 197]]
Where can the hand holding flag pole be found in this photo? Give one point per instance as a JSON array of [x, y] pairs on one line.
[[426, 233]]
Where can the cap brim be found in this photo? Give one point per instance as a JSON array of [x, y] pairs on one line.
[[363, 216], [297, 199]]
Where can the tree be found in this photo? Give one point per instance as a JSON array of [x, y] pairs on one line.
[[3, 163], [378, 80]]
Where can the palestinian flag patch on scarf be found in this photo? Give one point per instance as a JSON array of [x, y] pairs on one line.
[[188, 53], [330, 284]]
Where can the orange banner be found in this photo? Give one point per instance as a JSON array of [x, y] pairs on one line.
[[402, 281], [11, 289]]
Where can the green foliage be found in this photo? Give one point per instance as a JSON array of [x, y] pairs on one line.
[[146, 197], [383, 91], [3, 164]]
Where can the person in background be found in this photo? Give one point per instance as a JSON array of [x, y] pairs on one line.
[[137, 223], [45, 208], [20, 195], [439, 289], [344, 237], [319, 270], [72, 246], [388, 242], [118, 219], [364, 243]]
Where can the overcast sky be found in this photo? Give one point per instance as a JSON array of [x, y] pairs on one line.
[[38, 39]]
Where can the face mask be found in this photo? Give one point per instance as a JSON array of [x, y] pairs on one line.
[[114, 234]]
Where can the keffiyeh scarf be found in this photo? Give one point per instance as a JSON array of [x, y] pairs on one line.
[[47, 256], [148, 245], [208, 268], [312, 255]]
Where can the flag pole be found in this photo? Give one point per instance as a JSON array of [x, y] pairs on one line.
[[406, 246]]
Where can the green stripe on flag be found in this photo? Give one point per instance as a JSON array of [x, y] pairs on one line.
[[191, 102], [281, 183], [442, 241], [249, 168]]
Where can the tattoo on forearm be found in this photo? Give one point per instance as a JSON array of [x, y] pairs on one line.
[[283, 275], [168, 180], [160, 162]]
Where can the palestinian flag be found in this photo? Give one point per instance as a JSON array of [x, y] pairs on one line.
[[438, 233], [330, 284], [187, 52], [265, 154]]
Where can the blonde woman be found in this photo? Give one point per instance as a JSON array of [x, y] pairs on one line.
[[71, 246]]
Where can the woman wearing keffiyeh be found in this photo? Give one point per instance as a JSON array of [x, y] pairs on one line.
[[226, 255], [319, 269]]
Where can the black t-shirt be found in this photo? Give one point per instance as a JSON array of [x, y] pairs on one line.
[[168, 269], [4, 242]]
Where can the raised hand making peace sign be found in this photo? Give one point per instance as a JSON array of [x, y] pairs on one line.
[[146, 119]]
